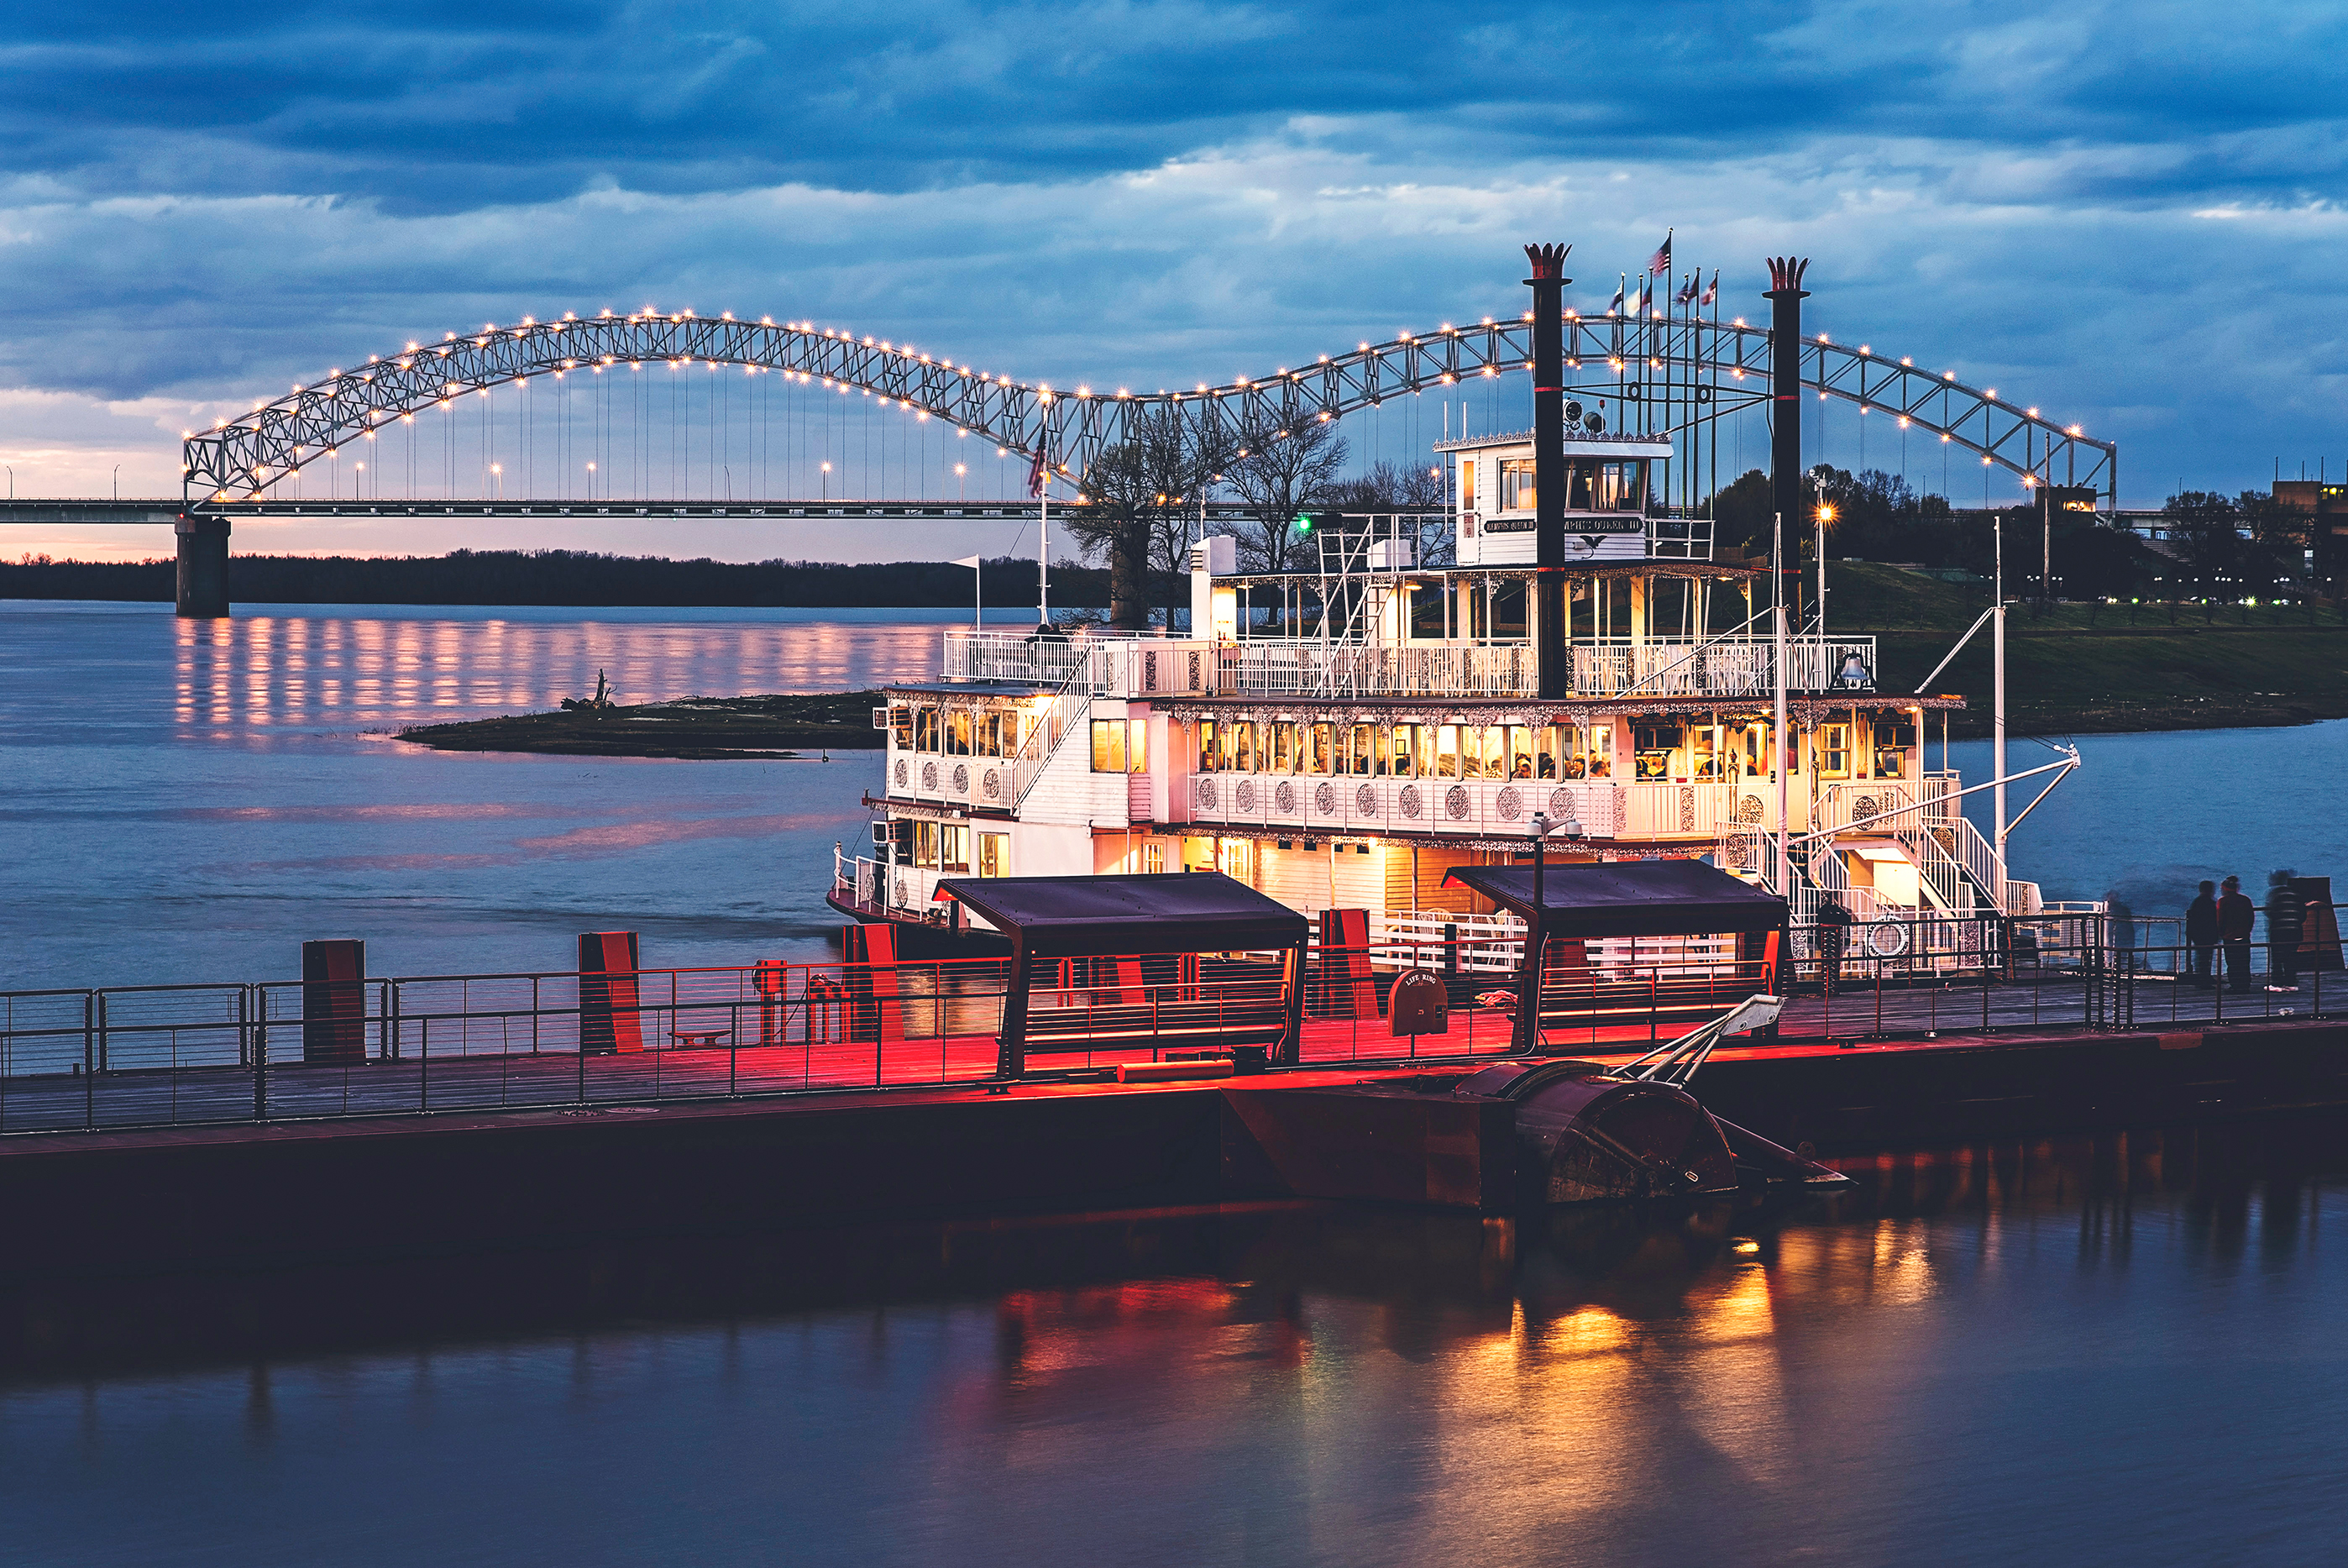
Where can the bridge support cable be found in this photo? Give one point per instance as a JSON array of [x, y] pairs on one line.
[[1671, 375]]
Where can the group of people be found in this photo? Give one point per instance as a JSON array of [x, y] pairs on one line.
[[2223, 917]]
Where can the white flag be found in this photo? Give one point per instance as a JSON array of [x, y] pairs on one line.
[[968, 561]]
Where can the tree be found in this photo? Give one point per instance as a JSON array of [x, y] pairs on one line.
[[1137, 498], [1389, 489], [2206, 528], [1277, 473]]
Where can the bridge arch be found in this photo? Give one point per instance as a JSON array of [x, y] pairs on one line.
[[1669, 374]]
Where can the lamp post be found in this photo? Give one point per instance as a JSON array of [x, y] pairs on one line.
[[1537, 932]]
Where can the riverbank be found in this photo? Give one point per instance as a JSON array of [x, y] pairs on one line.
[[697, 729]]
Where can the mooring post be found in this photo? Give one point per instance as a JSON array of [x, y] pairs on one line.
[[203, 565]]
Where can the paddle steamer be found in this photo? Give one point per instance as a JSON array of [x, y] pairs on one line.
[[1341, 733]]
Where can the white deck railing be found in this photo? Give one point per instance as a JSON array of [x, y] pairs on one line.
[[1144, 666]]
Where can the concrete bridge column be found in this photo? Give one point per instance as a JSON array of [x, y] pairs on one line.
[[203, 565]]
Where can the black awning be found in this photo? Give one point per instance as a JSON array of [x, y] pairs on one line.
[[1071, 917], [1630, 898]]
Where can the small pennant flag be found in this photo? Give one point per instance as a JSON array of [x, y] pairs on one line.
[[1614, 305], [1660, 263], [968, 561], [1711, 292], [1039, 474]]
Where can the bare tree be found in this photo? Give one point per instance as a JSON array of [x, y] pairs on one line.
[[1279, 472], [1138, 497]]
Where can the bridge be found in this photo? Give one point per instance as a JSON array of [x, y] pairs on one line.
[[595, 422]]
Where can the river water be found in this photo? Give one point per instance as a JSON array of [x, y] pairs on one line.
[[2126, 1352], [188, 801]]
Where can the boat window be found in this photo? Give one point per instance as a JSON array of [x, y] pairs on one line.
[[1108, 745], [901, 727], [958, 728], [990, 733], [925, 729], [1206, 745], [925, 845], [1323, 760], [1516, 484], [1520, 752], [1136, 746], [994, 854], [1577, 484], [1283, 746], [1361, 754], [1608, 487], [1153, 858], [1655, 743], [1447, 752], [1703, 753], [1834, 750], [1405, 750], [1243, 746], [1602, 752], [953, 847]]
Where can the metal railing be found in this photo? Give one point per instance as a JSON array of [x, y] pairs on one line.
[[1142, 665], [165, 1055]]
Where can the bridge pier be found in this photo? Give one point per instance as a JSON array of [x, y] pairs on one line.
[[203, 565]]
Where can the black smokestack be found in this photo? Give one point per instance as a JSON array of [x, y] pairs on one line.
[[1548, 284], [1785, 296]]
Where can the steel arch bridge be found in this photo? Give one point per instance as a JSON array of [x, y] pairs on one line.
[[1667, 374]]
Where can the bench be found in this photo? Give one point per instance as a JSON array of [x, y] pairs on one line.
[[1167, 1025], [708, 1039]]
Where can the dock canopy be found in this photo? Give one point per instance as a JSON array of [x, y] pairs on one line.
[[1112, 929], [1629, 898], [1582, 903], [1083, 917]]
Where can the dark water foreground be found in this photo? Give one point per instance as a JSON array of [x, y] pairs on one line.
[[2125, 1349]]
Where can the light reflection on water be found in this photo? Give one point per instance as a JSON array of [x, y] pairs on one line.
[[190, 800], [370, 666], [2118, 1350]]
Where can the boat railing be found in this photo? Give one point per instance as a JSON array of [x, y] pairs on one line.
[[1139, 665]]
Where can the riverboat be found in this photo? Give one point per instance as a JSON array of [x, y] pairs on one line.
[[1343, 731]]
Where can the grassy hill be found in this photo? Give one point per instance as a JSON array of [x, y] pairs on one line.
[[2082, 668]]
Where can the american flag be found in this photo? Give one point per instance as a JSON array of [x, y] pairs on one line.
[[1039, 474], [1660, 263]]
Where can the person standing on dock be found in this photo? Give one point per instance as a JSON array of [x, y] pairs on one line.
[[2201, 934], [2286, 918], [2236, 914]]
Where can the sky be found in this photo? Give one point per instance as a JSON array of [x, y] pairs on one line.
[[2127, 214]]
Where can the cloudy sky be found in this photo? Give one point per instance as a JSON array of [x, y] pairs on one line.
[[2127, 214]]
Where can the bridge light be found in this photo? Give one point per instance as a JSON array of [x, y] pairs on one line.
[[2033, 413], [2075, 429], [1863, 348], [1948, 376], [1905, 360], [1991, 393]]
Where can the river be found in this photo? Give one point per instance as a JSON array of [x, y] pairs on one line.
[[2125, 1351], [2119, 1351], [188, 801]]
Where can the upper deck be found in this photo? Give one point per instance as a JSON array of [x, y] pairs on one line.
[[1146, 666]]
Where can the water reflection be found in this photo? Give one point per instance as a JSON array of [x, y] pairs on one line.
[[268, 671], [1990, 1351]]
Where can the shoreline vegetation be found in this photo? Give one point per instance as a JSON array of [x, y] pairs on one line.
[[693, 728], [2073, 668]]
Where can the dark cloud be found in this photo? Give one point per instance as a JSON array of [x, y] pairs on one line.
[[2132, 209]]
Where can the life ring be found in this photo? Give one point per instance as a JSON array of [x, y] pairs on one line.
[[1886, 938]]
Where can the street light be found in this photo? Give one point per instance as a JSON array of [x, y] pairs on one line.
[[1536, 938]]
